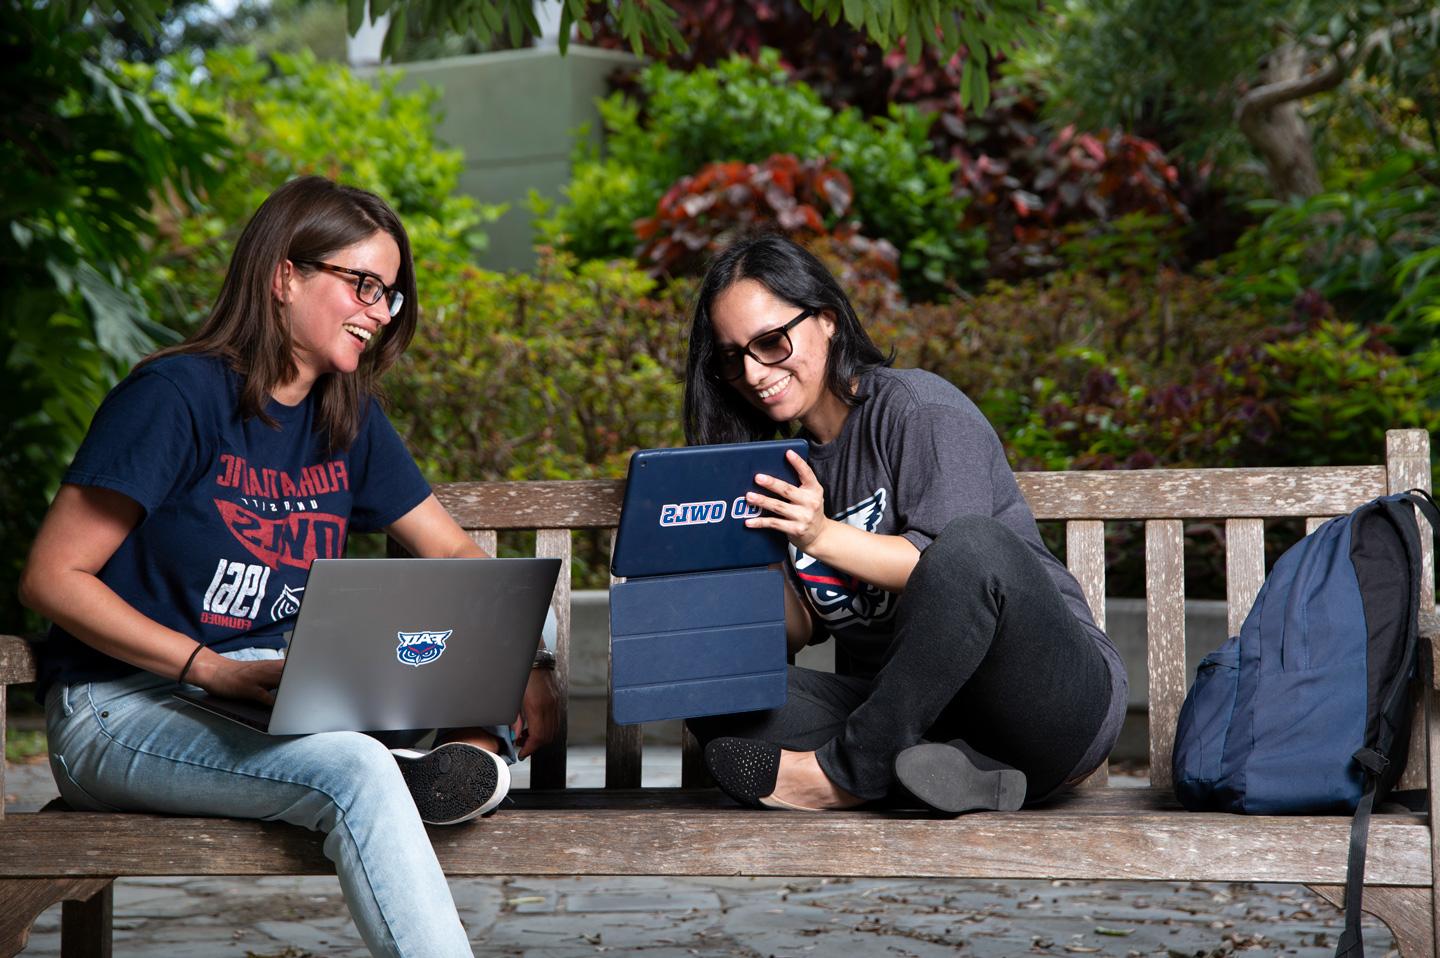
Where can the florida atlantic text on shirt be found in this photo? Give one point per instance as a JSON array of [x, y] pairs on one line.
[[277, 517]]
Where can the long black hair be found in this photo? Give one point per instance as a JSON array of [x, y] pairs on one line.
[[715, 412]]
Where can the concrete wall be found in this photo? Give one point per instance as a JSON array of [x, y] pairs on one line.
[[1205, 628], [514, 114]]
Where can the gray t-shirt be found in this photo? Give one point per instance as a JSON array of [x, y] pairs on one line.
[[912, 456]]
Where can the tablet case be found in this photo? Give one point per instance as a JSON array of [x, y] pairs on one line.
[[704, 644]]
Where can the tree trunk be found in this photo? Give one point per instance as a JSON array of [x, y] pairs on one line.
[[1278, 131]]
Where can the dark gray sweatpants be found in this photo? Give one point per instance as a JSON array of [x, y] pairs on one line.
[[984, 650]]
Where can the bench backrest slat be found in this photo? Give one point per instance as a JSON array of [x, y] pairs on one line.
[[1165, 638], [1407, 460], [487, 539], [547, 767], [537, 504], [1200, 493], [1244, 567], [1085, 557]]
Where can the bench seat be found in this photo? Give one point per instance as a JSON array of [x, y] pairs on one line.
[[1112, 833]]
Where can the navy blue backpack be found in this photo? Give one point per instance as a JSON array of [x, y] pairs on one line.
[[1307, 710]]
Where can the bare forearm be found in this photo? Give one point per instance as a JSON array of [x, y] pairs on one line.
[[88, 609], [884, 561]]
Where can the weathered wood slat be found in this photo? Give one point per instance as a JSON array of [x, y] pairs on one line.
[[4, 705], [17, 661], [1407, 462], [1407, 912], [87, 925], [692, 762], [1085, 557], [547, 767], [1417, 758], [1201, 493], [623, 743], [1419, 761], [1244, 567], [733, 841], [1314, 522], [487, 539], [1135, 494], [25, 900], [560, 504], [1165, 639], [1431, 708]]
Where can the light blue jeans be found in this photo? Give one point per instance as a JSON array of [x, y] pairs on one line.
[[126, 745]]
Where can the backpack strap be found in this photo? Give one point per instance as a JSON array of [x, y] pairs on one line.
[[1426, 503], [1351, 944]]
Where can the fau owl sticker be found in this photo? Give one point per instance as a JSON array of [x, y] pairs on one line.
[[420, 648], [840, 599]]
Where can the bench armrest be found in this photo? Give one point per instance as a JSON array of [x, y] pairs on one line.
[[17, 660]]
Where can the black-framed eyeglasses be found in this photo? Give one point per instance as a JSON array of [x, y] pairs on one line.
[[368, 287], [770, 347]]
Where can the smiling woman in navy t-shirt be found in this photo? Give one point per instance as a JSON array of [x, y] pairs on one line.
[[178, 546]]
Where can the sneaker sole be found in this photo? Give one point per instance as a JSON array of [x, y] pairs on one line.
[[453, 783], [944, 778]]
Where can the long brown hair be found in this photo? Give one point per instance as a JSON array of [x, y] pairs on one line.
[[306, 219]]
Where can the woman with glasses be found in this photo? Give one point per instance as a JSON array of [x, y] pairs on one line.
[[970, 673], [178, 546]]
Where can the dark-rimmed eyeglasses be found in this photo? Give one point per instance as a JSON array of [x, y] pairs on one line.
[[368, 287], [770, 347]]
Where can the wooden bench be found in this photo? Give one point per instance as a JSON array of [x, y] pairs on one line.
[[1098, 833]]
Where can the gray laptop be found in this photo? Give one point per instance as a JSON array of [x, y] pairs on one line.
[[384, 644]]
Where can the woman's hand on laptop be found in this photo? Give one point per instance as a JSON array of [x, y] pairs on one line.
[[539, 714], [254, 680]]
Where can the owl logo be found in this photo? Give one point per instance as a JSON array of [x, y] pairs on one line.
[[420, 648], [287, 604], [840, 599]]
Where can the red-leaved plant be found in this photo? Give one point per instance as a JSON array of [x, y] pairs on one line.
[[808, 201]]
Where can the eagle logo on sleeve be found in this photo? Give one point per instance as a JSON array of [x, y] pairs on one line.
[[839, 599]]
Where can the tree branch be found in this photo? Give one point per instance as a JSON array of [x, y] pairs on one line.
[[1328, 77]]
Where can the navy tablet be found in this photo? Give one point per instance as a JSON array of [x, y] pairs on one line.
[[685, 509], [710, 643]]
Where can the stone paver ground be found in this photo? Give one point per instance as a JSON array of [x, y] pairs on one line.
[[714, 917]]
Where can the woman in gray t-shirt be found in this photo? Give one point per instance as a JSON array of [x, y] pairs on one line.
[[970, 670]]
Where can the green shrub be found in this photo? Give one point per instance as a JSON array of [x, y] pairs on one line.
[[1359, 246], [296, 116], [559, 374], [746, 111]]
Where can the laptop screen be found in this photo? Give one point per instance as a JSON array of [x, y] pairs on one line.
[[685, 508]]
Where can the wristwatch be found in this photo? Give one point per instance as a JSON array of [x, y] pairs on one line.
[[544, 659]]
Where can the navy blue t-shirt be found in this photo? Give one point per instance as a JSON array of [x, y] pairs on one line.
[[234, 510]]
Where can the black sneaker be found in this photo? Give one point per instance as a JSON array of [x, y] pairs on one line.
[[454, 782], [952, 777]]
